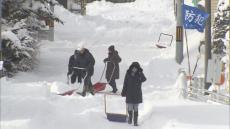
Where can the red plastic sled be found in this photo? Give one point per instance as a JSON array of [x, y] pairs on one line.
[[99, 86]]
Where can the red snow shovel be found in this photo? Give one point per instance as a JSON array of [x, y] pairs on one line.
[[70, 92], [100, 86]]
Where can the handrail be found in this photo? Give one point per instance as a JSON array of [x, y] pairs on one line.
[[209, 92], [225, 97], [199, 91], [213, 99]]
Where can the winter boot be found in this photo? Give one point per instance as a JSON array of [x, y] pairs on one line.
[[114, 91], [135, 118], [84, 91], [91, 90], [83, 94], [130, 117]]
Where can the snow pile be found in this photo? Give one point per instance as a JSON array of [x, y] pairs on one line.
[[29, 100], [9, 35]]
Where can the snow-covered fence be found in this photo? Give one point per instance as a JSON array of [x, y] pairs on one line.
[[213, 96], [196, 90]]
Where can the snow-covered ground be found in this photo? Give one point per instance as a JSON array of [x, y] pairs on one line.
[[28, 101]]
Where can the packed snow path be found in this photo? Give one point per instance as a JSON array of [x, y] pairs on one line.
[[27, 101]]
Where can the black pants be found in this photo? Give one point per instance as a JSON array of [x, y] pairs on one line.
[[88, 86], [113, 84], [74, 78]]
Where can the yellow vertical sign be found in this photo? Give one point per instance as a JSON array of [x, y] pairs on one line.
[[179, 33]]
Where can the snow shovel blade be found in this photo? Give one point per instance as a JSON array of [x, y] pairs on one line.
[[99, 86], [70, 92], [116, 117], [160, 46], [109, 93]]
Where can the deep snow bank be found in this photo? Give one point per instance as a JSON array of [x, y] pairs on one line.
[[26, 100]]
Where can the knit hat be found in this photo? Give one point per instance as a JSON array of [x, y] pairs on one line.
[[76, 52], [111, 48], [135, 64]]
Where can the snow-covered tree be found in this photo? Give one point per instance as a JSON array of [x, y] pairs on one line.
[[21, 20], [220, 36], [221, 27]]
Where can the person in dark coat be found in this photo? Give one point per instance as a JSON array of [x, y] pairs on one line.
[[132, 90], [86, 60], [72, 72], [112, 71]]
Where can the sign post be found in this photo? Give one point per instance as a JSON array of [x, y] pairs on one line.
[[207, 41], [193, 18], [1, 60], [179, 32]]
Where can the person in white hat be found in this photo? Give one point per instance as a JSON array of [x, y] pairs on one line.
[[86, 60]]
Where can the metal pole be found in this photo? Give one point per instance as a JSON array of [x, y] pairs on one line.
[[229, 68], [179, 32], [1, 26], [1, 71], [207, 40]]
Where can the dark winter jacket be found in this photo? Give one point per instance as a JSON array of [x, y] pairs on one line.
[[132, 85], [72, 63], [113, 59], [86, 60], [71, 70]]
